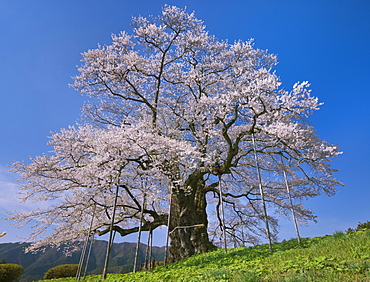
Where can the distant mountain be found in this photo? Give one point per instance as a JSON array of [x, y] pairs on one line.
[[35, 265]]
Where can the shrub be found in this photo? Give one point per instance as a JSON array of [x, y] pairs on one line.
[[365, 225], [360, 226], [338, 234], [10, 272], [61, 271]]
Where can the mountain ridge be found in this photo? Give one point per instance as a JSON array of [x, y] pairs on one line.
[[36, 265]]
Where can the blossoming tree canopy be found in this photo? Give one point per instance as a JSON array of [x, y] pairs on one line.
[[171, 107]]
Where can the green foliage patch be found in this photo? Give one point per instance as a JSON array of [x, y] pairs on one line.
[[61, 271], [10, 272], [360, 226], [341, 257]]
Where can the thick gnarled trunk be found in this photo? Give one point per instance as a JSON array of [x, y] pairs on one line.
[[188, 224]]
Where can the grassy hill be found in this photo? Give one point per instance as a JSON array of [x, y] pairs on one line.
[[340, 257]]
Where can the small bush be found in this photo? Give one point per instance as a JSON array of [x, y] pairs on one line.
[[10, 272], [360, 226], [61, 271], [338, 234], [364, 225]]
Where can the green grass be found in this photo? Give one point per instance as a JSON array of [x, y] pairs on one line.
[[340, 257]]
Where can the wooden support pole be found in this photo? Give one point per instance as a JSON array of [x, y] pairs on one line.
[[139, 233], [291, 202], [262, 194], [222, 213], [168, 228], [110, 242]]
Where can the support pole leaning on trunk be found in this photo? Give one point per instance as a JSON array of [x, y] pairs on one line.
[[222, 213], [88, 255], [168, 229], [110, 236], [82, 257], [291, 202], [139, 234], [268, 233], [147, 256], [151, 249], [83, 253]]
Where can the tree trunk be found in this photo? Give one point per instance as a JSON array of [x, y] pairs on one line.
[[189, 209]]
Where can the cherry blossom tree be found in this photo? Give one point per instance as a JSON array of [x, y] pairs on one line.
[[176, 108]]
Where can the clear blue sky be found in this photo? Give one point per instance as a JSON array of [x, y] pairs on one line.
[[326, 42]]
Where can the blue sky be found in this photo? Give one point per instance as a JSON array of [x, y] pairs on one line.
[[323, 41]]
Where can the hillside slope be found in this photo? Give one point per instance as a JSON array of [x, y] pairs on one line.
[[341, 257]]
